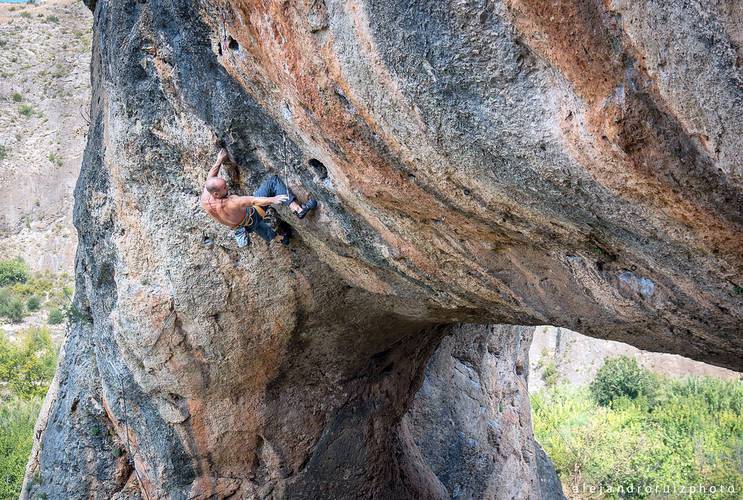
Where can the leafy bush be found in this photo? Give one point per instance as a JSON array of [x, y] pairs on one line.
[[56, 317], [52, 19], [550, 375], [26, 370], [33, 303], [52, 289], [3, 152], [720, 396], [38, 286], [16, 96], [14, 311], [56, 159], [691, 433], [27, 367], [13, 271], [25, 109], [620, 377], [11, 307], [17, 418]]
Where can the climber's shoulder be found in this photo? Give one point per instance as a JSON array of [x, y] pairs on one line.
[[232, 204], [206, 200]]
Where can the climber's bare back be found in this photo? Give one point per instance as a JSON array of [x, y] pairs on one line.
[[228, 211], [226, 208]]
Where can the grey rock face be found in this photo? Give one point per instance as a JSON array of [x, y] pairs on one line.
[[501, 162], [471, 418], [45, 65]]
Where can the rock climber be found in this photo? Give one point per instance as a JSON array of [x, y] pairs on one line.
[[245, 214]]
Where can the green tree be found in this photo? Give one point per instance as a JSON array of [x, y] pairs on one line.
[[689, 433], [13, 271], [8, 353], [11, 306], [620, 377], [27, 369]]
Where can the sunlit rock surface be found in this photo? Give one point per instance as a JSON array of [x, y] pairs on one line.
[[471, 419], [518, 162], [45, 89]]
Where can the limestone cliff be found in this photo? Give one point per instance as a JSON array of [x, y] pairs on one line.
[[559, 355], [44, 96], [520, 162], [471, 420]]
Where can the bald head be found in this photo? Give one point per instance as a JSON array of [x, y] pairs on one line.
[[216, 187]]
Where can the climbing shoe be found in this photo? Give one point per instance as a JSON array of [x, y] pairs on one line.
[[310, 204]]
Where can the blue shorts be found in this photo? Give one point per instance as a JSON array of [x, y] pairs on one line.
[[273, 186]]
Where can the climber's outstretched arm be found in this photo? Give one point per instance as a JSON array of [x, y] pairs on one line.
[[221, 157], [261, 201]]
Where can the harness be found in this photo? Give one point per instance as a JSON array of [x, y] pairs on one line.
[[249, 216]]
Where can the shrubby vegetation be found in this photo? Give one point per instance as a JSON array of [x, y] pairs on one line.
[[26, 110], [56, 159], [33, 303], [550, 376], [13, 271], [632, 429], [56, 317], [17, 418], [26, 370], [622, 377], [27, 363], [26, 366], [11, 307], [23, 292]]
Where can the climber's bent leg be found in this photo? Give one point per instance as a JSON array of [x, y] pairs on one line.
[[241, 237], [264, 230], [274, 186]]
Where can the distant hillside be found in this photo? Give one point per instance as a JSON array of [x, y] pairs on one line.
[[44, 97], [559, 354]]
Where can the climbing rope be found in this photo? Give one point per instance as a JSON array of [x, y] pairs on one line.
[[224, 34], [128, 444], [286, 162]]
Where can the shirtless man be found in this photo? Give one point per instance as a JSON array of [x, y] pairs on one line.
[[245, 214]]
